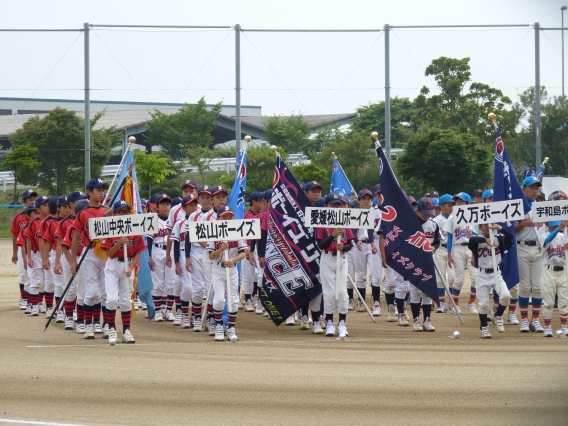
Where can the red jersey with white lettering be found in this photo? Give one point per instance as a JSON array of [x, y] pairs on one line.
[[250, 215], [19, 222], [135, 245], [48, 229], [264, 217], [68, 239], [63, 225], [20, 239], [81, 222], [33, 233]]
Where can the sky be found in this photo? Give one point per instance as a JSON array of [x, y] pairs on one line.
[[284, 73]]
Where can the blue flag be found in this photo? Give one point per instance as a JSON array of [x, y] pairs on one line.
[[340, 185], [144, 284], [292, 255], [506, 187], [237, 200], [407, 250]]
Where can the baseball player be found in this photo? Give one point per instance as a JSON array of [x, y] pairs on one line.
[[554, 276], [446, 203], [19, 222], [250, 267], [477, 196], [480, 247], [94, 261], [30, 213], [264, 216], [118, 276], [332, 276], [459, 255], [354, 204], [236, 253], [52, 282], [529, 255]]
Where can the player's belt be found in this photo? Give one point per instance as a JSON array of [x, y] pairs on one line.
[[222, 265], [121, 259], [159, 246], [487, 270], [35, 252], [555, 267], [463, 244], [527, 243], [365, 241], [331, 253], [445, 245]]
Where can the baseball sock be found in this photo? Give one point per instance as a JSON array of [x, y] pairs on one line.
[[500, 310], [363, 292], [343, 317], [232, 319], [472, 294], [178, 304], [218, 317], [426, 311], [304, 310], [210, 312], [524, 307], [163, 303], [350, 293], [547, 321], [22, 292], [512, 306], [441, 295], [80, 314], [68, 306], [389, 298], [106, 316], [536, 305], [400, 306], [97, 313], [248, 297], [184, 307], [376, 293], [126, 317], [455, 295], [157, 302], [328, 317], [483, 320], [563, 319], [316, 315], [110, 315], [40, 299], [415, 308], [170, 302], [88, 314], [196, 309], [48, 299]]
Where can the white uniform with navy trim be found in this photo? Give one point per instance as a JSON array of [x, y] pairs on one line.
[[179, 234], [529, 252], [162, 276], [441, 255], [219, 274], [554, 281], [460, 252]]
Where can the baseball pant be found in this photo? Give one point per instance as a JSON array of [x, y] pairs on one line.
[[462, 261], [49, 278], [449, 274], [351, 267], [162, 276], [185, 279], [94, 270], [78, 285], [197, 274], [24, 277], [376, 265], [330, 278], [219, 282], [362, 261], [553, 283], [416, 295], [117, 286], [36, 274], [71, 294], [250, 273], [207, 274], [485, 282], [58, 280], [530, 270], [395, 283], [177, 281]]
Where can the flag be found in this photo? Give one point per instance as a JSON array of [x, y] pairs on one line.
[[292, 255], [540, 172], [340, 185], [130, 194], [407, 250], [506, 187]]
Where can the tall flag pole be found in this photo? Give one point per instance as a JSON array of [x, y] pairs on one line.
[[340, 184], [506, 187], [407, 249]]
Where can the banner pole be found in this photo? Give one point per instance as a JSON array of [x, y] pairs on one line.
[[228, 273], [337, 267], [361, 298], [456, 308]]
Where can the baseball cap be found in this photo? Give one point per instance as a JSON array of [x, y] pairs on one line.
[[332, 199], [364, 192], [354, 204], [319, 202], [96, 183], [219, 190], [436, 201], [426, 206], [143, 202], [531, 165], [80, 205], [463, 196], [53, 203], [411, 199], [267, 195], [377, 188], [225, 210], [153, 201], [29, 193], [188, 199], [61, 201], [41, 200], [343, 199], [531, 180], [435, 194], [189, 182], [302, 184], [74, 196], [30, 208], [119, 205], [163, 197], [255, 196], [554, 223], [176, 201], [487, 194], [557, 195], [311, 185], [446, 198], [477, 193], [541, 194]]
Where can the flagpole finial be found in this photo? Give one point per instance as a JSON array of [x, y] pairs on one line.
[[334, 156], [375, 136], [491, 116], [546, 159], [131, 140], [247, 138]]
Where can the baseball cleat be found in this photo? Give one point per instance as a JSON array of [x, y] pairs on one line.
[[80, 328], [60, 318], [455, 310], [185, 323], [48, 312], [316, 328], [512, 318], [258, 309], [485, 333], [304, 323], [547, 331], [342, 330], [219, 333], [350, 307], [472, 309], [376, 310], [106, 331], [112, 337], [89, 332], [291, 320], [360, 307], [177, 319], [127, 337], [23, 304], [535, 326], [158, 317], [524, 326], [248, 306], [427, 326], [69, 323], [391, 317], [232, 335], [499, 323], [35, 311], [441, 308], [197, 325], [417, 325], [402, 320], [170, 316], [42, 309], [330, 329], [97, 328]]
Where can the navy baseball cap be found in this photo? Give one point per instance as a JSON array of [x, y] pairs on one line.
[[143, 202], [477, 193], [343, 199], [80, 205], [205, 189], [332, 199], [62, 201], [53, 202], [96, 183], [163, 197], [176, 201], [255, 196], [311, 185], [74, 196], [446, 198], [426, 206], [225, 210], [189, 182], [41, 200], [364, 192], [267, 195], [30, 208], [487, 194], [320, 202], [354, 204], [435, 194], [188, 199], [463, 196], [119, 205], [29, 193], [531, 180], [411, 199], [377, 188], [220, 190]]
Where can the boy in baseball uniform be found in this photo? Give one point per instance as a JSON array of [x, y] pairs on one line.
[[446, 204], [30, 213], [250, 265]]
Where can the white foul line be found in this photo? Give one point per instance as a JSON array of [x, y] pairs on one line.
[[34, 422]]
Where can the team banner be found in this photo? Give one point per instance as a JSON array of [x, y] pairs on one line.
[[224, 230], [340, 184], [407, 249], [549, 211], [292, 256], [496, 212], [506, 188], [322, 217], [123, 226]]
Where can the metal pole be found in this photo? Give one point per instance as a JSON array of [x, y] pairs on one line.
[[87, 107], [387, 93], [563, 8], [537, 90], [237, 89]]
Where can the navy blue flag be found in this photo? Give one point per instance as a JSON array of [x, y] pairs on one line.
[[407, 249], [292, 255], [506, 187], [340, 185]]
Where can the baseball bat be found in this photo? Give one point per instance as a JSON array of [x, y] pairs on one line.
[[361, 299], [456, 308]]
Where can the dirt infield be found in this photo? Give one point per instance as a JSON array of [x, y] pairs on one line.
[[383, 374]]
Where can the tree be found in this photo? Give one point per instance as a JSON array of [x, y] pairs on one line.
[[201, 158], [291, 133], [179, 133], [446, 161], [260, 168], [311, 171], [23, 163], [59, 138], [152, 169]]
